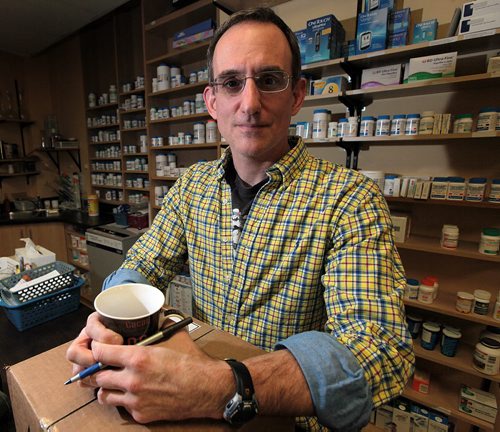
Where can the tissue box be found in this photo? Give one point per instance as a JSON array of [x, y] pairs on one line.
[[196, 33], [46, 256]]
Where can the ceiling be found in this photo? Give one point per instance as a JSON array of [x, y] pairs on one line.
[[27, 27]]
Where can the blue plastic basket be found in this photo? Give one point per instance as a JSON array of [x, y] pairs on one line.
[[42, 302]]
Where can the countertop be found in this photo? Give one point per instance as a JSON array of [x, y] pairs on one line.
[[74, 217]]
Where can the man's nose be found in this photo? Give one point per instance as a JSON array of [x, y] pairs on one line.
[[250, 97]]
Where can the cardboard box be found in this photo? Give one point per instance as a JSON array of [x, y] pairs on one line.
[[420, 418], [46, 256], [328, 85], [372, 31], [437, 422], [480, 23], [432, 67], [401, 225], [383, 419], [302, 41], [325, 37], [196, 33], [425, 31], [397, 40], [378, 4], [401, 415], [39, 396], [399, 21], [478, 403], [381, 76], [480, 8]]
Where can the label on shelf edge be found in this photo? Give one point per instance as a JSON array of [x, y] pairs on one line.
[[479, 34]]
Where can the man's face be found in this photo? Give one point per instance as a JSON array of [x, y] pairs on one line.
[[255, 124]]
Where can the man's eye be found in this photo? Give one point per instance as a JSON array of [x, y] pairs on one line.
[[231, 83], [269, 79]]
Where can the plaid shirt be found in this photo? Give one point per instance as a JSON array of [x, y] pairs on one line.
[[316, 253]]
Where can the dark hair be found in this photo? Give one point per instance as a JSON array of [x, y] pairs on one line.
[[262, 15]]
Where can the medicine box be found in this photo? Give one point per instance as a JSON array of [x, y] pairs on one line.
[[437, 422], [425, 31], [421, 381], [383, 419], [328, 85], [397, 40], [325, 37], [400, 227], [378, 4], [399, 21], [480, 23], [478, 403], [420, 418], [432, 67], [302, 41], [401, 415], [480, 8], [372, 31], [381, 76], [198, 32]]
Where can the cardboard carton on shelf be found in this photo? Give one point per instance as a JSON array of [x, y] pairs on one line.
[[40, 398]]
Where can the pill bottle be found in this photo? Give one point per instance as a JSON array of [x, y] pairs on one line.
[[321, 117], [426, 291], [211, 131], [398, 124], [465, 302], [383, 126], [414, 325], [449, 236], [481, 301], [93, 205], [434, 280], [198, 133], [411, 289], [475, 189], [494, 195], [462, 123], [343, 127], [439, 188], [491, 332], [412, 124], [430, 335], [496, 309], [486, 356], [456, 189], [199, 103], [377, 176], [352, 130], [490, 241], [367, 126], [487, 119], [332, 129], [426, 126], [92, 100], [449, 341]]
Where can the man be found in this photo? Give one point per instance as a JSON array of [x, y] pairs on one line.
[[286, 251]]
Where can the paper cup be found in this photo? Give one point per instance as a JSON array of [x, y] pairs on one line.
[[132, 310]]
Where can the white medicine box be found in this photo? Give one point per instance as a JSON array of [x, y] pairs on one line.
[[401, 226]]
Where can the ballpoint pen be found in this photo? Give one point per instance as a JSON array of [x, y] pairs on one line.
[[162, 334]]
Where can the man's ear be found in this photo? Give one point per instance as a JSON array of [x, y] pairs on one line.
[[299, 93], [210, 101]]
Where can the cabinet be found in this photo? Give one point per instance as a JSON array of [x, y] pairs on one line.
[[113, 63], [160, 24], [470, 155]]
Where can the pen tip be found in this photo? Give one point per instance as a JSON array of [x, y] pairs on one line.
[[67, 382]]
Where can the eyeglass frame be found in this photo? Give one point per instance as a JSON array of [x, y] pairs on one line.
[[215, 84]]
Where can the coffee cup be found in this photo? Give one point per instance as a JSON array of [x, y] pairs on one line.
[[132, 310]]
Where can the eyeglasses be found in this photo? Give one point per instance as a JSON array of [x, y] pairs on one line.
[[266, 82]]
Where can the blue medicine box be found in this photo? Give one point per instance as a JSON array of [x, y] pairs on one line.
[[302, 40], [425, 31], [372, 31], [397, 39], [378, 4], [325, 36], [399, 21], [196, 33]]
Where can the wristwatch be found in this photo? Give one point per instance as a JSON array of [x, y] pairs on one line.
[[243, 406]]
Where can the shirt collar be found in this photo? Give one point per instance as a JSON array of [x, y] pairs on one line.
[[286, 169]]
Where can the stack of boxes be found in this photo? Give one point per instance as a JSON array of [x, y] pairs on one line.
[[479, 16], [399, 22]]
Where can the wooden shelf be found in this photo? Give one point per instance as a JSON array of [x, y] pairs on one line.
[[135, 154], [451, 203], [428, 139], [106, 159], [180, 90], [187, 146], [445, 399], [328, 142], [183, 55], [18, 121], [164, 178], [433, 86], [444, 304], [106, 186], [131, 111], [183, 118], [175, 16], [431, 245], [21, 174], [134, 129], [105, 142], [132, 92], [321, 100], [103, 107], [324, 68], [105, 126], [462, 360], [135, 172]]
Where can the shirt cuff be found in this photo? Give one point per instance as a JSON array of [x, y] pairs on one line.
[[122, 276], [340, 393]]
